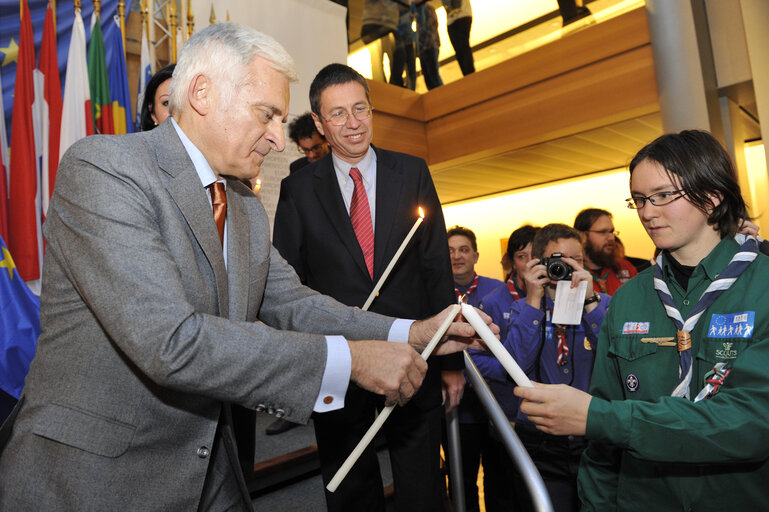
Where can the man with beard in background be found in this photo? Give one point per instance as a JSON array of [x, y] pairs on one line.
[[598, 235]]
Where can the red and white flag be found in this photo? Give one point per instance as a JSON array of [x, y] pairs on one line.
[[48, 102], [76, 116], [24, 235]]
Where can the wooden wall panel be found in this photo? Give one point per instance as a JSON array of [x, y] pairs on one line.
[[590, 45], [400, 134], [396, 101], [592, 78], [614, 89]]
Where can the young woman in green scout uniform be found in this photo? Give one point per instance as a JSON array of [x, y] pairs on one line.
[[679, 413]]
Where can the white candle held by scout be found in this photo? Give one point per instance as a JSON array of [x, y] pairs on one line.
[[495, 346], [390, 266], [374, 428]]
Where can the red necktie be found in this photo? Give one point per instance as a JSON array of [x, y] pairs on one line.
[[360, 216], [219, 202]]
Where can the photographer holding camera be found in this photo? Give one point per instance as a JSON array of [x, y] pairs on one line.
[[554, 353]]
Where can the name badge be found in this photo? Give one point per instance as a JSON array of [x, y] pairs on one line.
[[732, 325], [635, 328]]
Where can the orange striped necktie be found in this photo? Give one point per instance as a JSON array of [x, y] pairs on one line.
[[219, 202], [360, 216]]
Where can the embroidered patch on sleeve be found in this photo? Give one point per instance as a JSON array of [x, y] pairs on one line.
[[635, 328], [732, 325]]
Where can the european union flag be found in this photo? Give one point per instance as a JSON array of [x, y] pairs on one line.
[[19, 325]]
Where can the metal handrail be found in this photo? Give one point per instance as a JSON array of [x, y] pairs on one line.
[[455, 460], [516, 450]]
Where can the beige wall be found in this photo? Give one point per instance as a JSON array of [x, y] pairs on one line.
[[495, 218]]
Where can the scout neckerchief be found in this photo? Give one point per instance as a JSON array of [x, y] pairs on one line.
[[559, 333], [516, 292], [473, 285], [744, 257], [713, 380], [563, 345], [600, 280]]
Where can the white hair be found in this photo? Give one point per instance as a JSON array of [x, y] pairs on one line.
[[223, 50]]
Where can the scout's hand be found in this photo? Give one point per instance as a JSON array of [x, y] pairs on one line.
[[394, 370], [559, 409], [534, 278], [748, 228], [458, 334], [453, 387], [580, 274]]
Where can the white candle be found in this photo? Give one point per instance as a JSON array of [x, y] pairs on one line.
[[390, 266], [495, 346], [374, 428]]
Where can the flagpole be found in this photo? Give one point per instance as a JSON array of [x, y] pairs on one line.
[[97, 9], [182, 17], [53, 11], [190, 19], [171, 15], [121, 14]]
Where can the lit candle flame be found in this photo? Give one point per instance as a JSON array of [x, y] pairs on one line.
[[421, 212]]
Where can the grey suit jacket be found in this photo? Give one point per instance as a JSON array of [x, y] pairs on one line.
[[146, 335]]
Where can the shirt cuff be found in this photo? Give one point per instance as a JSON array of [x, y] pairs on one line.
[[336, 376], [399, 331], [609, 421]]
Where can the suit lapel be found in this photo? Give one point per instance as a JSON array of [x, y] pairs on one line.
[[238, 254], [330, 198], [191, 198], [388, 202]]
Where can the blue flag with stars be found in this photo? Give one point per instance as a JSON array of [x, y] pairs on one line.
[[19, 325]]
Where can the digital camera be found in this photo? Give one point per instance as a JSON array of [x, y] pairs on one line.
[[557, 269]]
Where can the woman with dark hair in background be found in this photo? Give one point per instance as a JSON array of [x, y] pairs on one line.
[[155, 103]]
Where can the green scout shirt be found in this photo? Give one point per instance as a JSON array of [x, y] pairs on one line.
[[651, 451]]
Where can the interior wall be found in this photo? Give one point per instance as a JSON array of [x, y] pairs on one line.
[[314, 34], [495, 218]]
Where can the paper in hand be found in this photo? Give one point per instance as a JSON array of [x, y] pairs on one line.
[[569, 303]]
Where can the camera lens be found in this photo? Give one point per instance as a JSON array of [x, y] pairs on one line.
[[557, 270]]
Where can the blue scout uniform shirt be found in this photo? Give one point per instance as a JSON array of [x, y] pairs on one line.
[[485, 285], [524, 340], [498, 305], [470, 409], [651, 451]]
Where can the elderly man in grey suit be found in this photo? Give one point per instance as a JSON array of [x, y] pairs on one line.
[[158, 315]]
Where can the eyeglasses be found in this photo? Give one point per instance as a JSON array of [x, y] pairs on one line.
[[339, 117], [658, 199], [604, 232], [317, 148]]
